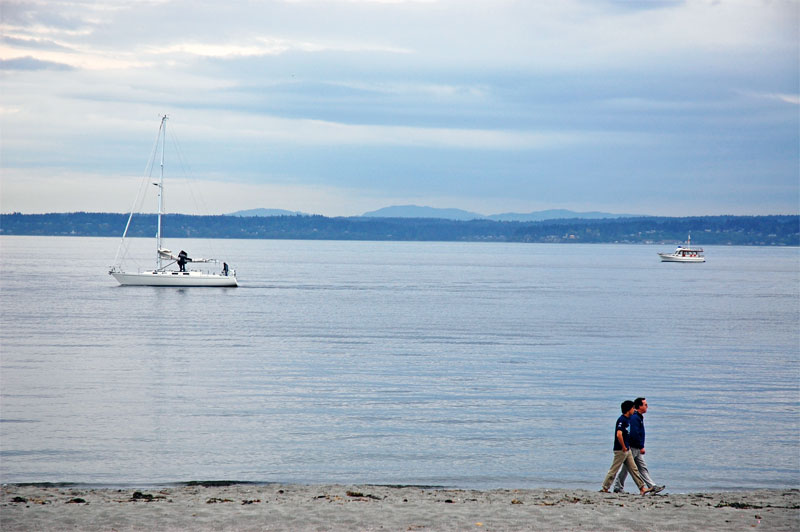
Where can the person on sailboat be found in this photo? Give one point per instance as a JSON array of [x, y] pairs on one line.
[[183, 258], [225, 269]]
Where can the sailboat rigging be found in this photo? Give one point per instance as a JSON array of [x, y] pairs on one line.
[[164, 273]]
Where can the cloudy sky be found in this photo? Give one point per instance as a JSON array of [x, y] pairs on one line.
[[338, 107]]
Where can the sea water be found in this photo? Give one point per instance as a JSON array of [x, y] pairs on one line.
[[476, 365]]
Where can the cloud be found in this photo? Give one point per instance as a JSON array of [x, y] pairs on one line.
[[511, 99], [34, 44], [31, 63], [793, 99], [42, 17], [327, 133], [259, 46], [271, 130], [445, 34], [790, 98]]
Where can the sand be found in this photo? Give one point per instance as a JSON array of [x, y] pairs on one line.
[[338, 507]]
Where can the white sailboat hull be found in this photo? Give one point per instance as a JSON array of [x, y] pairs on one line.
[[172, 278]]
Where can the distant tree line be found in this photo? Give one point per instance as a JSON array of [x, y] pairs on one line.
[[777, 230]]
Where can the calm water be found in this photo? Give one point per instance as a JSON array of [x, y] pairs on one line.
[[470, 365]]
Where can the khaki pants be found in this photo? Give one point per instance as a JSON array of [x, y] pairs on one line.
[[619, 459], [638, 458]]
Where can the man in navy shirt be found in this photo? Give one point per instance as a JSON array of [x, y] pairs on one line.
[[622, 451], [637, 449]]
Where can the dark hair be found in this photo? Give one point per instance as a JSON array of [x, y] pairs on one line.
[[637, 403], [626, 405]]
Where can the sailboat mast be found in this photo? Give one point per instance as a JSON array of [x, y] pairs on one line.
[[161, 189]]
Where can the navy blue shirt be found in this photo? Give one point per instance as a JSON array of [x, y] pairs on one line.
[[637, 430], [623, 424]]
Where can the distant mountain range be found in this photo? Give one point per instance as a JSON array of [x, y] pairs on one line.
[[267, 212], [416, 211]]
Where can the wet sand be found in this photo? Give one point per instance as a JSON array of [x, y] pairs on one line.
[[339, 507]]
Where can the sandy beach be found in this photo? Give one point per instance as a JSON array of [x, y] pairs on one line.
[[199, 506]]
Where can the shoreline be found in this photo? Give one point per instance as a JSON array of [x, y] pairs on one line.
[[161, 485], [225, 505]]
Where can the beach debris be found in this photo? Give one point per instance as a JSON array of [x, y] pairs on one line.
[[214, 500], [19, 499], [738, 505], [329, 498], [37, 501], [250, 501], [146, 497], [516, 501], [77, 500], [359, 495]]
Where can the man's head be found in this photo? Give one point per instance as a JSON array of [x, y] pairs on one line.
[[640, 404], [627, 408]]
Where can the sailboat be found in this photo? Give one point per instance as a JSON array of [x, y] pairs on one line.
[[170, 269]]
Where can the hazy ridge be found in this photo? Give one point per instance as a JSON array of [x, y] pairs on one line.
[[418, 211], [780, 230]]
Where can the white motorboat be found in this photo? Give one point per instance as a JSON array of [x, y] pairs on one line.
[[170, 270], [684, 254]]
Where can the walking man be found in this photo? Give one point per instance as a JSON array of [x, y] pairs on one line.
[[637, 449], [622, 452]]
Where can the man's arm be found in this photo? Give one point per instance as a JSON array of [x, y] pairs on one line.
[[621, 439]]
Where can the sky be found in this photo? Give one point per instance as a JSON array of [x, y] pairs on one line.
[[339, 107]]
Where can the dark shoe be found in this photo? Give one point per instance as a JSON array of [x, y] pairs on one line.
[[618, 490], [656, 489]]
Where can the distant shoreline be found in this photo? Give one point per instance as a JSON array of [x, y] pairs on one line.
[[370, 507], [773, 230]]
